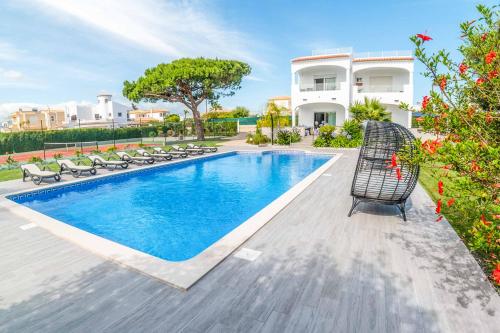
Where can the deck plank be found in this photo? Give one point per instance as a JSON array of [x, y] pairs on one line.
[[319, 271]]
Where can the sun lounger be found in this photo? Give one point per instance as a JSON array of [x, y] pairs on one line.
[[75, 169], [100, 161], [192, 151], [174, 153], [135, 159], [206, 149], [157, 156], [36, 175]]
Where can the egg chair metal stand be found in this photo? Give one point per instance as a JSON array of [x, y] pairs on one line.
[[374, 179]]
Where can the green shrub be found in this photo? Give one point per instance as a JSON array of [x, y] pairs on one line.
[[352, 129], [350, 136], [10, 160], [285, 137], [35, 159], [257, 138]]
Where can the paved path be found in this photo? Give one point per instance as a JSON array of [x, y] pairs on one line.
[[319, 271]]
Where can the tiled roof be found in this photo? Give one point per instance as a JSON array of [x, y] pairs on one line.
[[321, 57]]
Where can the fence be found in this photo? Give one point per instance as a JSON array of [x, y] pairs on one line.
[[19, 142]]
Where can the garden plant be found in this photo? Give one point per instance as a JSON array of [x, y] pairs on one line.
[[461, 164]]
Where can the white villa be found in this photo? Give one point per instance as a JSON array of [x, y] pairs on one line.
[[106, 113], [325, 84]]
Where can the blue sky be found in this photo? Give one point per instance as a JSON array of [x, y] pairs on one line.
[[55, 51]]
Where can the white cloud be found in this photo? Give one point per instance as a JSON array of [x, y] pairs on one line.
[[173, 28], [10, 74], [8, 51]]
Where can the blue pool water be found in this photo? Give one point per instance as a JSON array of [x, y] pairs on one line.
[[176, 211]]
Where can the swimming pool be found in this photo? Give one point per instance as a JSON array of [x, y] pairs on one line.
[[176, 211]]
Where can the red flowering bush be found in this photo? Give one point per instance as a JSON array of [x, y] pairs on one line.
[[462, 111]]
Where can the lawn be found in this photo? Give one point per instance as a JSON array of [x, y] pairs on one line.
[[15, 173]]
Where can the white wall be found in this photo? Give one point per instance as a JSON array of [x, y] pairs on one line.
[[306, 113]]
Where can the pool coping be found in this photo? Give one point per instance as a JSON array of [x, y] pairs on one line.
[[181, 274]]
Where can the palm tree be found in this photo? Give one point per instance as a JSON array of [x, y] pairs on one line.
[[371, 109]]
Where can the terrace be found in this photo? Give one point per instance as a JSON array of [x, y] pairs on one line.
[[318, 270]]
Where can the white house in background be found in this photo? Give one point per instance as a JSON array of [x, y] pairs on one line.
[[106, 113], [144, 116], [327, 83]]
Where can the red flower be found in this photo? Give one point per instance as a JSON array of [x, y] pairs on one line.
[[419, 119], [450, 202], [425, 101], [496, 217], [484, 36], [438, 207], [439, 218], [446, 107], [490, 57], [480, 81], [423, 37], [483, 219], [398, 173], [447, 167], [463, 68], [496, 274], [492, 74], [394, 162], [442, 82], [440, 187], [489, 117], [474, 166], [431, 146]]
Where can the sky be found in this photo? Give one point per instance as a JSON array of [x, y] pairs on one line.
[[57, 51]]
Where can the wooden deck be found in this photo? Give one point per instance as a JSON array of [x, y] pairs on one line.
[[319, 271]]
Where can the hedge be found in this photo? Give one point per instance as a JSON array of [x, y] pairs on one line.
[[18, 142]]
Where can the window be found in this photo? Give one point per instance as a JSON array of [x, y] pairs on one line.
[[319, 84], [97, 117], [109, 115], [329, 83], [73, 117], [119, 114], [325, 83], [52, 118]]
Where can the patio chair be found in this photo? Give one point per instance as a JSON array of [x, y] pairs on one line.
[[206, 149], [192, 151], [135, 159], [157, 156], [100, 161], [172, 152], [374, 179], [76, 170], [36, 175]]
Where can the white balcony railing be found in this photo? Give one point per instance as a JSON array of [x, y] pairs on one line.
[[338, 50], [378, 89], [313, 88], [384, 54]]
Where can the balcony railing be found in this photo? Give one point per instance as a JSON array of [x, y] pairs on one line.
[[312, 88], [338, 50], [378, 89], [384, 54]]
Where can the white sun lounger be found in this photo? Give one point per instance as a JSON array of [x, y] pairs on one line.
[[205, 148], [135, 159], [192, 151], [75, 169], [174, 153], [158, 156], [100, 161], [36, 175]]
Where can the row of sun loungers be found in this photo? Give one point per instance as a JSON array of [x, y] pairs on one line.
[[141, 157]]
